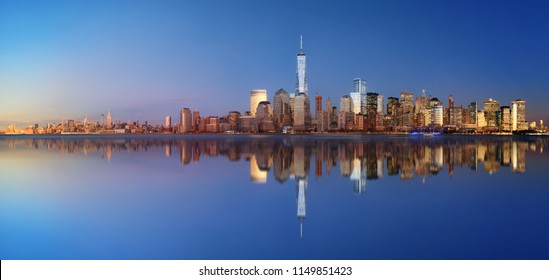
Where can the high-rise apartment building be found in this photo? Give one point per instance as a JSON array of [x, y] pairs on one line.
[[257, 96], [168, 121]]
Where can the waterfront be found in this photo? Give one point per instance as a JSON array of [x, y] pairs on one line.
[[274, 197]]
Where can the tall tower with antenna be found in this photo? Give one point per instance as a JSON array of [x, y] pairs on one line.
[[301, 84]]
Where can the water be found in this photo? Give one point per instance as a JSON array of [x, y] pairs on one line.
[[273, 197]]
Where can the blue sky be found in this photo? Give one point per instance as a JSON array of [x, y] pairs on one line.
[[147, 59]]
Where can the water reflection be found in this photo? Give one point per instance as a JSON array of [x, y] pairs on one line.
[[298, 160], [359, 159]]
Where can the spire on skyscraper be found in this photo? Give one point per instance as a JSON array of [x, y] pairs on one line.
[[301, 84]]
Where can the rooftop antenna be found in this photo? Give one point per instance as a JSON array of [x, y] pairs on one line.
[[301, 41]]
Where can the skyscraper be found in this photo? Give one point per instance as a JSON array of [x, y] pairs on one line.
[[391, 102], [301, 84], [371, 101], [360, 99], [505, 118], [407, 101], [359, 85], [109, 119], [264, 117], [345, 115], [281, 110], [357, 102], [300, 111], [234, 120], [518, 115], [168, 121], [185, 120], [490, 108], [301, 89], [257, 96], [473, 110], [359, 96], [318, 106], [346, 104], [421, 103], [196, 119], [437, 115], [381, 104], [332, 113], [328, 105]]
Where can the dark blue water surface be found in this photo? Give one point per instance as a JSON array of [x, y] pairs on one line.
[[274, 197]]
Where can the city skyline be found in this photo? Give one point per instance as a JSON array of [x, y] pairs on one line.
[[52, 70]]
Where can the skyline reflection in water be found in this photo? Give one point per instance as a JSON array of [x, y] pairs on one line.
[[292, 156], [348, 163]]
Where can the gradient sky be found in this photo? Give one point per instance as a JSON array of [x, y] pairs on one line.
[[147, 59]]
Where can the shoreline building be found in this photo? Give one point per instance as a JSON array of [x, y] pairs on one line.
[[301, 74], [185, 120], [109, 119], [196, 119], [407, 101], [518, 115], [264, 117], [371, 101], [281, 112], [256, 96], [300, 100], [359, 96], [381, 104], [345, 117], [490, 108], [505, 123]]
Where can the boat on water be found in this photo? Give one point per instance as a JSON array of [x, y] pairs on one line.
[[425, 134]]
